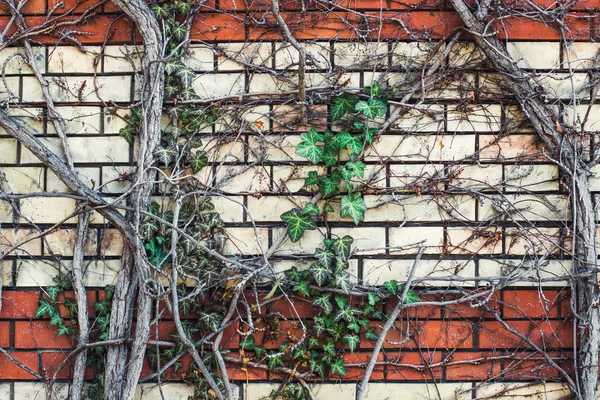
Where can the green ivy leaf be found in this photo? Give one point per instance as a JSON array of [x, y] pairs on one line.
[[127, 133], [342, 281], [354, 142], [159, 12], [330, 156], [320, 273], [53, 292], [354, 326], [352, 340], [56, 319], [45, 308], [65, 330], [179, 31], [370, 334], [324, 256], [313, 342], [293, 274], [297, 223], [370, 135], [259, 351], [319, 325], [312, 179], [342, 104], [211, 320], [103, 322], [372, 298], [329, 186], [328, 208], [329, 347], [302, 288], [373, 90], [310, 208], [342, 247], [186, 76], [317, 367], [308, 146], [274, 361], [172, 67], [337, 367], [411, 297], [391, 286], [324, 303], [353, 169], [248, 342], [371, 108], [353, 206], [165, 154], [199, 161]]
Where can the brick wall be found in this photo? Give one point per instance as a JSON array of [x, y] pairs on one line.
[[461, 173]]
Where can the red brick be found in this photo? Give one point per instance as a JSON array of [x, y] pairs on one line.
[[411, 365], [531, 366], [70, 295], [10, 370], [294, 308], [73, 6], [4, 21], [313, 25], [19, 305], [530, 304], [289, 332], [4, 334], [39, 335], [98, 30], [444, 334], [420, 4], [170, 374], [218, 27], [542, 333], [464, 309], [235, 372], [527, 29], [476, 366], [421, 312], [31, 7], [437, 24], [51, 361], [355, 373], [586, 5]]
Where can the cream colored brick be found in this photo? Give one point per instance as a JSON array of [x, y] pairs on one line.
[[263, 83], [418, 391], [200, 58], [23, 179], [581, 55], [53, 144], [47, 210], [531, 177], [407, 240], [467, 55], [280, 266], [8, 151], [508, 148], [565, 86], [257, 118], [220, 149], [593, 117], [474, 241], [6, 211], [114, 120], [37, 391], [80, 89], [516, 121], [423, 147], [99, 149], [88, 176], [68, 59], [525, 207], [5, 391], [9, 88], [246, 53], [62, 242], [530, 241], [99, 273], [270, 208], [221, 85], [31, 242], [479, 119], [113, 179], [368, 78], [358, 54], [111, 242], [594, 179], [230, 208], [261, 391], [291, 179], [305, 246], [244, 241], [535, 55], [36, 273], [527, 273], [6, 270], [476, 177], [408, 177], [171, 391], [412, 55], [419, 208], [31, 118], [318, 56], [239, 179], [79, 120], [15, 60], [274, 148], [428, 119], [366, 240], [123, 58], [429, 272], [463, 86], [524, 391]]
